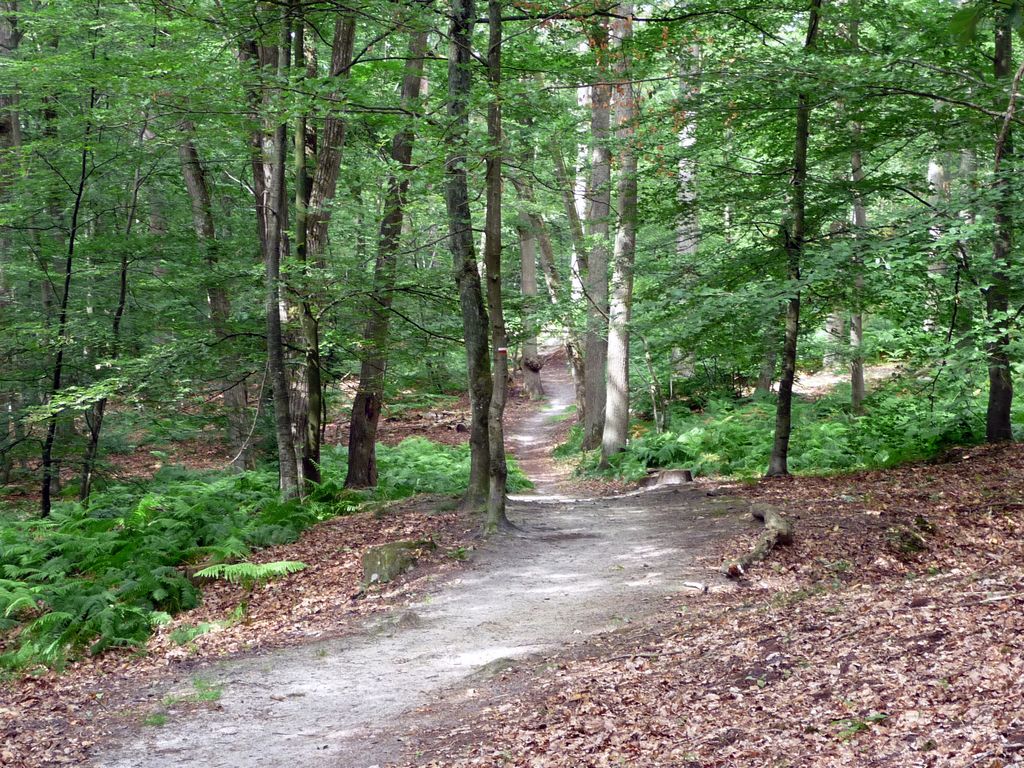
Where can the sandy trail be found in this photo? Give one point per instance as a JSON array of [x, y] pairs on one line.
[[576, 567]]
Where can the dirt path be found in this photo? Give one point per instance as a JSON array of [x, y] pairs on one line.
[[577, 567]]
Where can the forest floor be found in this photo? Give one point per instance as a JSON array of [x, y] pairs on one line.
[[575, 568], [891, 633]]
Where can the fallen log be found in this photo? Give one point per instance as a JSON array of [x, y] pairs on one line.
[[777, 530]]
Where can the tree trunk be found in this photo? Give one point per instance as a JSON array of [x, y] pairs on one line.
[[766, 374], [596, 282], [578, 266], [57, 372], [688, 228], [95, 420], [616, 423], [269, 185], [216, 294], [313, 197], [460, 240], [10, 138], [532, 363], [549, 269], [497, 464], [362, 434], [997, 296], [860, 223], [835, 329], [793, 235]]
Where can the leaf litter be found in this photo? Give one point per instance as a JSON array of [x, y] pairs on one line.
[[890, 633]]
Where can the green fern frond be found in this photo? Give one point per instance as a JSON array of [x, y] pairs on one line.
[[248, 573]]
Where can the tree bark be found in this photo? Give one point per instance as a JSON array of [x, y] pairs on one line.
[[269, 186], [10, 138], [460, 241], [313, 197], [219, 303], [362, 434], [57, 372], [95, 420], [860, 222], [997, 295], [497, 464], [532, 363], [794, 233], [616, 423], [596, 281]]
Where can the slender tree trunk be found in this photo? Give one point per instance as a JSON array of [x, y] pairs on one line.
[[314, 193], [571, 341], [616, 423], [332, 141], [57, 374], [269, 184], [362, 434], [688, 228], [596, 282], [460, 239], [860, 223], [10, 138], [497, 464], [532, 364], [769, 360], [95, 419], [578, 267], [307, 386], [216, 294], [997, 296], [793, 235]]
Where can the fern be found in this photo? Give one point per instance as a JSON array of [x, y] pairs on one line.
[[251, 573]]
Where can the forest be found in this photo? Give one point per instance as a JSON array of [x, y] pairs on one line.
[[295, 292]]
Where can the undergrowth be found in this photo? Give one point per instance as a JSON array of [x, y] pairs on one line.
[[89, 578], [733, 437]]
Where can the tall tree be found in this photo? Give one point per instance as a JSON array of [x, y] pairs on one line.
[[497, 466], [362, 434], [596, 281], [532, 363], [793, 235], [313, 215], [616, 423], [198, 187], [997, 295], [271, 209], [460, 241]]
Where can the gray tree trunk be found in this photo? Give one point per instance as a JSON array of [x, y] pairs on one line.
[[616, 423], [10, 138], [314, 195], [271, 195], [595, 348], [532, 364], [198, 188], [860, 222]]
